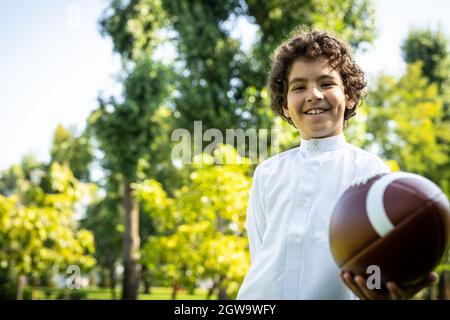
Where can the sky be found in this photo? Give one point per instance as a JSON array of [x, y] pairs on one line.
[[54, 63]]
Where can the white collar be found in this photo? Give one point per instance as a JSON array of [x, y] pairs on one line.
[[323, 144]]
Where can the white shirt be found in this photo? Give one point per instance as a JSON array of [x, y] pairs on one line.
[[291, 200]]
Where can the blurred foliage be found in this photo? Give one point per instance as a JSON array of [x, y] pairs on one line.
[[201, 229], [401, 119], [75, 151], [104, 218], [431, 48], [409, 123], [38, 231], [192, 215], [124, 132], [212, 68]]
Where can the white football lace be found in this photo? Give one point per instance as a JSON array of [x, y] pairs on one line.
[[361, 180]]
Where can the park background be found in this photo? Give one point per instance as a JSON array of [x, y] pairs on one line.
[[92, 203]]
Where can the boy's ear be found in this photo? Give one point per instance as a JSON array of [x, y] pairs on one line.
[[349, 103], [286, 112]]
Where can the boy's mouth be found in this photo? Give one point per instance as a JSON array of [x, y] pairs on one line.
[[316, 111]]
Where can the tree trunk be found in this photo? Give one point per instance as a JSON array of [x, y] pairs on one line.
[[33, 285], [175, 288], [211, 290], [20, 286], [112, 281], [131, 246], [444, 286], [221, 227], [147, 286], [146, 280], [91, 279], [103, 281], [223, 294]]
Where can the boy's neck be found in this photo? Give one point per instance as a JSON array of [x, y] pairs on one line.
[[323, 144]]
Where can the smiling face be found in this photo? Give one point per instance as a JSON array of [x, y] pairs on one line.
[[316, 99]]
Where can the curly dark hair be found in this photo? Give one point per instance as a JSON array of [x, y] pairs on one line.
[[310, 45]]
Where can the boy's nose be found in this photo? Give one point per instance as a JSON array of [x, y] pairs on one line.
[[314, 94]]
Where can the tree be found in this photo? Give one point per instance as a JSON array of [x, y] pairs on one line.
[[218, 82], [401, 120], [431, 50], [124, 133], [38, 231], [200, 232], [104, 218], [73, 149], [404, 124]]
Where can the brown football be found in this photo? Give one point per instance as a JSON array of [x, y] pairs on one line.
[[398, 222]]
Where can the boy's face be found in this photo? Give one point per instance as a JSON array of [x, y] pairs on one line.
[[316, 99]]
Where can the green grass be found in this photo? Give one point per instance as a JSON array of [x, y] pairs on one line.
[[94, 293]]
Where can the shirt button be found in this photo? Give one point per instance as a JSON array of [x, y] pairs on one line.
[[316, 145]]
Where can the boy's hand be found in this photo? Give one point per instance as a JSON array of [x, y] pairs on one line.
[[358, 285]]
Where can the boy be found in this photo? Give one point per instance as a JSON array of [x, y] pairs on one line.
[[316, 86]]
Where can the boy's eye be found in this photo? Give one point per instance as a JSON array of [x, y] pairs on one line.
[[299, 88], [328, 84]]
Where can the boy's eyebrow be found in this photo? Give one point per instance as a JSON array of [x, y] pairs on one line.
[[322, 77]]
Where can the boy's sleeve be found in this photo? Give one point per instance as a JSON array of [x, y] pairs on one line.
[[377, 166], [256, 215]]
